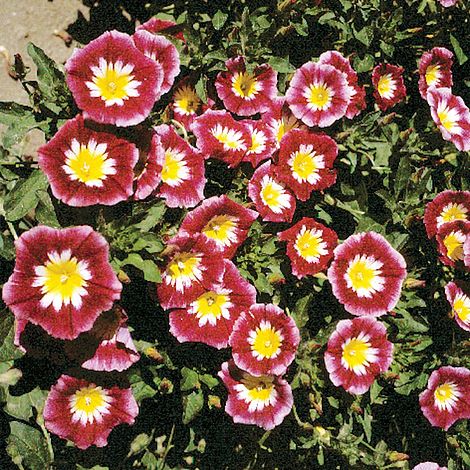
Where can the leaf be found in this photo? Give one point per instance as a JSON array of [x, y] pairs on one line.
[[24, 196], [147, 266], [154, 215], [365, 64], [461, 57], [45, 212], [28, 447], [219, 20], [209, 380], [21, 406], [192, 406], [365, 35], [281, 64], [19, 120], [403, 175], [300, 311], [189, 379], [8, 351]]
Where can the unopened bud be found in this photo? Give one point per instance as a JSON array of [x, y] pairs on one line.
[[395, 456]]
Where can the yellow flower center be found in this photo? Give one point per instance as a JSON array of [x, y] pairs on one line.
[[259, 388], [175, 169], [232, 139], [265, 341], [258, 142], [448, 117], [363, 276], [89, 404], [88, 163], [222, 229], [319, 96], [210, 307], [62, 280], [309, 244], [454, 245], [244, 84], [461, 307], [386, 86], [452, 211], [432, 74], [305, 164], [446, 395], [183, 265], [186, 100], [356, 354], [113, 82]]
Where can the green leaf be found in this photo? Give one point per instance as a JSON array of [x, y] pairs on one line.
[[147, 266], [365, 64], [45, 212], [28, 447], [219, 19], [141, 389], [403, 175], [8, 351], [24, 196], [192, 406], [209, 380], [461, 57], [365, 35], [281, 64], [189, 379], [21, 406], [300, 311], [154, 216], [19, 120]]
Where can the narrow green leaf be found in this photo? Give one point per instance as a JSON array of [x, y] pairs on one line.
[[8, 351], [219, 19], [192, 406], [461, 57]]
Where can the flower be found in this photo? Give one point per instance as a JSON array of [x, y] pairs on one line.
[[112, 81], [279, 119], [264, 340], [357, 93], [448, 3], [310, 246], [186, 104], [389, 87], [263, 142], [435, 69], [264, 401], [149, 174], [273, 201], [182, 170], [220, 136], [358, 351], [209, 318], [165, 27], [86, 167], [429, 466], [192, 266], [466, 252], [62, 279], [318, 94], [446, 207], [451, 115], [367, 274], [446, 397], [458, 295], [220, 220], [451, 238], [246, 93], [306, 162], [162, 52], [85, 413]]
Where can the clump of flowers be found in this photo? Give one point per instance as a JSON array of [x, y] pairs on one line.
[[445, 399], [367, 274], [357, 351], [389, 87]]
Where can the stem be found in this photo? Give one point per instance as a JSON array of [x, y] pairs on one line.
[[167, 448], [12, 230], [181, 127]]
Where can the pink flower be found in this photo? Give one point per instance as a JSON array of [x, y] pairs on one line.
[[451, 115], [263, 142], [280, 120], [273, 201], [149, 176], [318, 94], [446, 398], [466, 252], [62, 279], [186, 104], [182, 170], [450, 239], [458, 295], [165, 27], [446, 207], [448, 3], [357, 101], [220, 136], [264, 340], [112, 81], [264, 401], [429, 466], [389, 87], [191, 270], [367, 274], [85, 413], [163, 53], [220, 220], [306, 162], [209, 318], [358, 351], [246, 93], [310, 246], [87, 167], [435, 70]]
